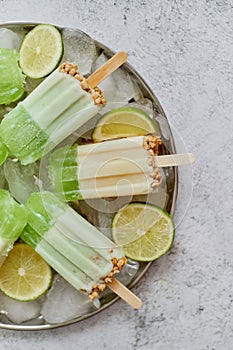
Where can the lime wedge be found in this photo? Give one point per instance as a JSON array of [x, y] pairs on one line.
[[41, 51], [24, 275], [123, 122], [146, 232]]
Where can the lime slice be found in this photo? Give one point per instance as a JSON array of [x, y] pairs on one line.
[[123, 122], [146, 232], [24, 275], [41, 51]]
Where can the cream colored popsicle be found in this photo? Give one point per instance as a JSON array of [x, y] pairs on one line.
[[119, 167]]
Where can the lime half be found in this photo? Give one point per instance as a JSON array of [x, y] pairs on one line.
[[123, 122], [24, 275], [41, 51], [146, 232]]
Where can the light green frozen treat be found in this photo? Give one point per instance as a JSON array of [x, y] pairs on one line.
[[3, 152], [61, 104], [63, 173], [13, 218], [11, 77], [112, 168], [71, 245]]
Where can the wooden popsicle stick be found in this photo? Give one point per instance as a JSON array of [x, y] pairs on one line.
[[107, 68], [128, 166], [174, 159], [124, 293]]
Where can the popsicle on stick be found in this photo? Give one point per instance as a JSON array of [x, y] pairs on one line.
[[13, 218], [73, 247], [62, 103], [119, 167]]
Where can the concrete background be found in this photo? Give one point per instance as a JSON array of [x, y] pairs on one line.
[[184, 51]]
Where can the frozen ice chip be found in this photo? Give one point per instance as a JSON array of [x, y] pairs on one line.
[[31, 84], [163, 124], [64, 302], [19, 312], [106, 211], [128, 272], [119, 86], [100, 211], [9, 39], [79, 48], [145, 104], [21, 179]]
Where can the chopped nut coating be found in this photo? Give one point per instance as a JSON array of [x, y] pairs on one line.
[[118, 264], [151, 143], [72, 70]]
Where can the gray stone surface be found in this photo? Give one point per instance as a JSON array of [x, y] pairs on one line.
[[184, 51]]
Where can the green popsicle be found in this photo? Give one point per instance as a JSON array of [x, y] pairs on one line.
[[71, 245], [13, 218]]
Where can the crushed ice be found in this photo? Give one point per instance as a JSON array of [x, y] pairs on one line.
[[79, 48], [64, 302], [17, 311], [9, 39], [119, 87], [21, 176]]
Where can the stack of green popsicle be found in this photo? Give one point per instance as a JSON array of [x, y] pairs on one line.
[[106, 169], [120, 167], [54, 110], [71, 245]]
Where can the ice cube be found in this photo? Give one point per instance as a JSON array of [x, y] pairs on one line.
[[64, 302], [31, 84], [119, 87], [89, 211], [128, 272], [9, 39], [163, 125], [145, 104], [79, 48], [100, 211], [21, 179], [18, 311]]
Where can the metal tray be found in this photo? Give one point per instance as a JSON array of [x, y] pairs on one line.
[[171, 182]]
